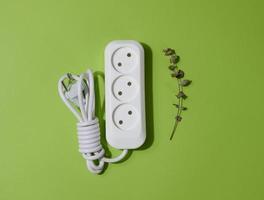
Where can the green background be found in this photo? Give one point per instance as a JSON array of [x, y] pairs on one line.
[[217, 152]]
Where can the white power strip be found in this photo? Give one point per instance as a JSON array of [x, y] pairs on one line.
[[125, 94], [125, 104]]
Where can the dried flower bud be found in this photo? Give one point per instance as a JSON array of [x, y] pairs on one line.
[[175, 73], [174, 59], [181, 95], [172, 67], [180, 74], [169, 51], [176, 105], [183, 108], [185, 82], [180, 107], [178, 118]]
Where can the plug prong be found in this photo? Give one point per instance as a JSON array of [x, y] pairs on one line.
[[65, 87], [70, 77]]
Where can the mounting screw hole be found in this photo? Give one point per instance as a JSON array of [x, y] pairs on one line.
[[119, 64], [120, 122], [120, 93], [129, 83], [128, 54], [130, 112]]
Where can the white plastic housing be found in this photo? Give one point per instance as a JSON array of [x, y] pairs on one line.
[[125, 94]]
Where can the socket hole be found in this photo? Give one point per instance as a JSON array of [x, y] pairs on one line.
[[120, 93], [129, 83], [128, 54], [120, 122], [119, 64], [130, 112]]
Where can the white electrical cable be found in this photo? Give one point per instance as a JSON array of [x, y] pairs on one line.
[[88, 124]]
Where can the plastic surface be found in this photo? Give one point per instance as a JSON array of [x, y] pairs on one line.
[[125, 94]]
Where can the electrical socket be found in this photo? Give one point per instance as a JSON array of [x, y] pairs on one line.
[[125, 117], [125, 59], [125, 94], [125, 88]]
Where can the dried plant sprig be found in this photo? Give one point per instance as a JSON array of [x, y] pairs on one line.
[[178, 74]]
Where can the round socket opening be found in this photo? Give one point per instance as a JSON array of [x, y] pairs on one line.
[[126, 117], [125, 59], [125, 88]]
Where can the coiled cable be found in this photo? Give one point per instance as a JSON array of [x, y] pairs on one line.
[[88, 125]]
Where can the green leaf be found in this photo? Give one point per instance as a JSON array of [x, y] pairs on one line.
[[181, 95], [185, 82]]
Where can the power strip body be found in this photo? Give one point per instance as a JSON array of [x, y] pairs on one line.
[[125, 94]]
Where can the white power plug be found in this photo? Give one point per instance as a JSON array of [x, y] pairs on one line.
[[125, 94], [72, 90], [125, 108]]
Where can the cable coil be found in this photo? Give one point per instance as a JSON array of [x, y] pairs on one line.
[[88, 128]]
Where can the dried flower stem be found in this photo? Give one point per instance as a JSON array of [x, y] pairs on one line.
[[179, 111], [178, 74]]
